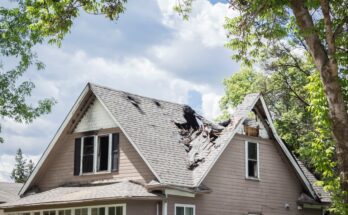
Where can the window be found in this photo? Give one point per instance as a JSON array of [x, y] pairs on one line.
[[181, 209], [103, 153], [81, 211], [88, 154], [119, 209], [49, 213], [64, 212], [98, 154], [252, 160]]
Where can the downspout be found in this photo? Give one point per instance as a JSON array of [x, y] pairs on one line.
[[165, 205]]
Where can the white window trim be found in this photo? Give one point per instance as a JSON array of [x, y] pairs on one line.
[[185, 206], [124, 209], [246, 161], [95, 155]]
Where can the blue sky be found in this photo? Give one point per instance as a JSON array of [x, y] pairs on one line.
[[148, 51]]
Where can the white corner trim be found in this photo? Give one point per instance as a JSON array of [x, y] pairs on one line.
[[178, 193], [228, 143], [54, 140], [130, 140], [285, 149]]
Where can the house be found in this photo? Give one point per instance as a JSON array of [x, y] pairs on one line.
[[118, 153], [8, 192]]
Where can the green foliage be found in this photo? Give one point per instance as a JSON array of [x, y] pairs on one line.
[[26, 23], [321, 147], [22, 169]]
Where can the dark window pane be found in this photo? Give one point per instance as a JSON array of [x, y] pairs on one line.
[[94, 211], [252, 167], [61, 212], [36, 213], [77, 211], [180, 211], [103, 153], [112, 211], [46, 213], [88, 147], [88, 153], [67, 212], [188, 211], [84, 211], [101, 211], [252, 150], [119, 210], [87, 163]]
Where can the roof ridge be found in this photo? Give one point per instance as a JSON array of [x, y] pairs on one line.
[[134, 94]]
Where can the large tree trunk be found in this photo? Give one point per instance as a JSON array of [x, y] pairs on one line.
[[327, 65]]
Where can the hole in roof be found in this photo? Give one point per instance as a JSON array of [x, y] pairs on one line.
[[135, 102], [157, 103]]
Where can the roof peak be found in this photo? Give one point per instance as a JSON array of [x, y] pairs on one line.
[[134, 94]]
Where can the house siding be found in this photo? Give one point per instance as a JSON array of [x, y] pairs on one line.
[[233, 194], [60, 165]]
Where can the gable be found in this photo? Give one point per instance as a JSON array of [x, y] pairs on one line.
[[277, 186], [256, 103], [73, 120], [95, 118]]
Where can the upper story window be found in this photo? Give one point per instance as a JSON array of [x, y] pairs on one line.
[[181, 209], [98, 153], [252, 160]]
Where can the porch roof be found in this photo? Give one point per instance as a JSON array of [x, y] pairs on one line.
[[62, 195]]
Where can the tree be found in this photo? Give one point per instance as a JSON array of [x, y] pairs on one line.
[[317, 27], [26, 23], [22, 169]]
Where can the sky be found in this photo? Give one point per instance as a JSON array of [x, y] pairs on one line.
[[149, 51]]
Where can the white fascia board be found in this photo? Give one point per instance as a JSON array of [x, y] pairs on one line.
[[178, 193], [286, 151], [130, 140], [228, 143], [54, 140]]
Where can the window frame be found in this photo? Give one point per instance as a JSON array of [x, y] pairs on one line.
[[72, 209], [96, 145], [247, 160], [185, 206]]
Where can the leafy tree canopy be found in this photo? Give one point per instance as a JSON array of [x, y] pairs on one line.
[[26, 23]]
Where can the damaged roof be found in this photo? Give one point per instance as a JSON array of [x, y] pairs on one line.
[[158, 127], [174, 134]]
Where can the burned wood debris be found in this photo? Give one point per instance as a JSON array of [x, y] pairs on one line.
[[198, 136]]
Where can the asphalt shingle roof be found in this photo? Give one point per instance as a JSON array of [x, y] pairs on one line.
[[321, 193], [9, 191], [150, 125], [60, 195]]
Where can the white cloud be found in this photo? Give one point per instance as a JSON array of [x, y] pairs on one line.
[[190, 57]]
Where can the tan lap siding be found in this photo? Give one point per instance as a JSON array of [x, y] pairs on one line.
[[233, 194], [59, 169]]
